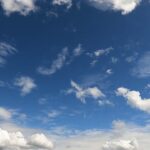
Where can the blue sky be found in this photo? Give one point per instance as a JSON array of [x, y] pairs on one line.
[[73, 70]]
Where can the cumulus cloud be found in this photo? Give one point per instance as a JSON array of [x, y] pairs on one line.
[[134, 99], [121, 145], [67, 3], [122, 136], [24, 7], [83, 93], [142, 68], [6, 50], [16, 140], [40, 141], [125, 6], [26, 84], [56, 64]]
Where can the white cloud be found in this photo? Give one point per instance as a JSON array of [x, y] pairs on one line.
[[83, 93], [53, 114], [6, 50], [109, 71], [125, 6], [142, 68], [78, 50], [114, 60], [16, 140], [26, 84], [5, 114], [40, 141], [128, 136], [42, 101], [122, 136], [121, 145], [56, 64], [98, 53], [101, 52], [67, 3], [105, 102], [134, 99], [23, 7], [63, 58]]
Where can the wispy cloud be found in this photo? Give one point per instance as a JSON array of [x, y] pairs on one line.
[[125, 6], [6, 50], [134, 99], [23, 7], [142, 68], [63, 58], [109, 71], [5, 113], [26, 84], [56, 64], [98, 53], [83, 93]]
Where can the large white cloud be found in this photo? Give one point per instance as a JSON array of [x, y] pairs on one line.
[[122, 136], [125, 6], [23, 7], [17, 141], [121, 145], [134, 99], [26, 84]]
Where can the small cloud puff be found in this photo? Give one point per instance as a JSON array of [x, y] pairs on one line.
[[26, 84]]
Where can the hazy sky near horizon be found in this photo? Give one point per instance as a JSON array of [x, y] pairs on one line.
[[74, 74]]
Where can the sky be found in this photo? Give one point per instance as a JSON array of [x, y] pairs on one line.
[[74, 74]]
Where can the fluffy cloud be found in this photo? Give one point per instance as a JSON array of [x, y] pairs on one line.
[[142, 68], [26, 84], [16, 140], [23, 7], [122, 136], [56, 64], [121, 145], [134, 99], [101, 52], [125, 6], [6, 50], [67, 3], [83, 93], [40, 141]]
